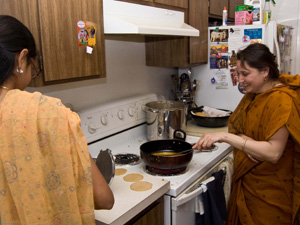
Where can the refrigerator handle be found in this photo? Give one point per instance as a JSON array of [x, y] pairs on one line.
[[276, 51]]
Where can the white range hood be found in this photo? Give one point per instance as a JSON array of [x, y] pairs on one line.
[[128, 18]]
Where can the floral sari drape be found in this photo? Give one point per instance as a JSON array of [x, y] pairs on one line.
[[45, 170]]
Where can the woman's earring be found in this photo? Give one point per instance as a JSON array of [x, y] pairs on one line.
[[19, 70], [265, 78]]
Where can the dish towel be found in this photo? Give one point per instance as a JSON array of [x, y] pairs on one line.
[[228, 165], [211, 205]]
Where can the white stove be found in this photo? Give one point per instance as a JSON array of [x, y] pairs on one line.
[[120, 126]]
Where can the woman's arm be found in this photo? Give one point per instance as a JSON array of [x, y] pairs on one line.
[[269, 151], [103, 196]]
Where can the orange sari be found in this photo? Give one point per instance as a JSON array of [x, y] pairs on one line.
[[266, 193], [45, 170]]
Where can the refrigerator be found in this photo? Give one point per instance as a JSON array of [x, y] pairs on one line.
[[218, 81]]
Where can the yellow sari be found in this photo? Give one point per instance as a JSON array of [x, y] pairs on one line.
[[45, 171], [266, 193]]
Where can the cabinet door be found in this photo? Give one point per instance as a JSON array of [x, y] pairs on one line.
[[177, 3], [216, 7], [182, 51], [198, 18], [63, 58], [232, 4]]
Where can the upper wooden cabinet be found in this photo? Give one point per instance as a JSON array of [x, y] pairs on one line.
[[182, 51], [162, 3], [216, 8], [53, 25], [177, 3], [232, 4]]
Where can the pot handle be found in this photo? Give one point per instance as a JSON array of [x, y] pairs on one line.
[[179, 134], [146, 108]]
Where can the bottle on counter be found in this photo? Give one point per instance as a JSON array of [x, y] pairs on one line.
[[224, 16]]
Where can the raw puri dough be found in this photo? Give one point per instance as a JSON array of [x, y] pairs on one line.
[[141, 186], [133, 177], [120, 171]]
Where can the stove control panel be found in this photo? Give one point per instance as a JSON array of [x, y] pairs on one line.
[[103, 120]]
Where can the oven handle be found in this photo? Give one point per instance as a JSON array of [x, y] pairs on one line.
[[176, 202]]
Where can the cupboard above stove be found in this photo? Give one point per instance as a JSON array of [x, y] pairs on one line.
[[53, 25]]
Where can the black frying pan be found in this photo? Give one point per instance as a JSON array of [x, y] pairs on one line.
[[167, 154], [204, 121]]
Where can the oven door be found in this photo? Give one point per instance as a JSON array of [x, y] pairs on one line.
[[183, 207]]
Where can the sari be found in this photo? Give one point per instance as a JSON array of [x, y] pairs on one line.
[[266, 193], [45, 169]]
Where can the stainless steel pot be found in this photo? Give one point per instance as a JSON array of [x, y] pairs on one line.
[[164, 117]]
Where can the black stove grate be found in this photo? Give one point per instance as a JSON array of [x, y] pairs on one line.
[[127, 159]]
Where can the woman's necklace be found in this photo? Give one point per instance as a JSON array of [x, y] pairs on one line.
[[5, 88]]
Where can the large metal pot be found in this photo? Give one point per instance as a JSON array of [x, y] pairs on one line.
[[164, 117]]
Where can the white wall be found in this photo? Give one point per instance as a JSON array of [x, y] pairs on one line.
[[127, 75]]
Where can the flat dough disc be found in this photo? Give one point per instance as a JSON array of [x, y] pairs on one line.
[[141, 186], [133, 177], [120, 171]]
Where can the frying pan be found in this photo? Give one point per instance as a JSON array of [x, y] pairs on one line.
[[204, 121], [167, 154]]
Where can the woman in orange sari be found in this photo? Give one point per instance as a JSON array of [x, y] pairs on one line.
[[47, 176], [264, 131]]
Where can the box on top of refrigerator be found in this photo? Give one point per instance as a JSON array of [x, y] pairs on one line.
[[243, 14]]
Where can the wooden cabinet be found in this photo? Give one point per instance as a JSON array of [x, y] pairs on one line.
[[154, 214], [162, 3], [177, 3], [216, 8], [232, 4], [53, 24], [182, 51]]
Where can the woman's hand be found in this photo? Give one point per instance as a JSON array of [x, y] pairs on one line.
[[207, 140]]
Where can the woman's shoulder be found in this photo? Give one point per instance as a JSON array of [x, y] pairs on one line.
[[36, 103]]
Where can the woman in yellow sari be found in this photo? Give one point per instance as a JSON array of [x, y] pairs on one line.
[[47, 176], [264, 131]]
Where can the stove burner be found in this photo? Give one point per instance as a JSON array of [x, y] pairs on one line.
[[212, 148], [165, 172], [127, 159]]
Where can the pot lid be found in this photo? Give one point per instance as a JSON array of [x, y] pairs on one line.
[[106, 165]]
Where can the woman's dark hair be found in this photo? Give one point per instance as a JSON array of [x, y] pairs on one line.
[[259, 56], [14, 37]]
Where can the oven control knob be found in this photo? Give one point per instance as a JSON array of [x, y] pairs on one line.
[[104, 120], [121, 114], [131, 111], [92, 128]]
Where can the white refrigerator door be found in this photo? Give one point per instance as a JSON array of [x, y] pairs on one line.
[[271, 40]]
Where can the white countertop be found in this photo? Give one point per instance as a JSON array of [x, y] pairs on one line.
[[129, 203], [194, 130]]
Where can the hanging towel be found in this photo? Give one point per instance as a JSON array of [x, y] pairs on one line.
[[228, 165], [213, 201]]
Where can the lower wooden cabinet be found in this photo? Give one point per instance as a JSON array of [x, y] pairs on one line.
[[153, 215]]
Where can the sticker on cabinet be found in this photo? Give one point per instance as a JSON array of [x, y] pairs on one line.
[[86, 33]]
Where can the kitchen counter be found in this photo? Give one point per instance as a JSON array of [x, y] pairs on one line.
[[129, 203], [194, 130]]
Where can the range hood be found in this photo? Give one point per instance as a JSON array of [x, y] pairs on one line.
[[129, 18]]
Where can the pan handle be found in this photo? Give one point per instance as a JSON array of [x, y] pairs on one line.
[[179, 134]]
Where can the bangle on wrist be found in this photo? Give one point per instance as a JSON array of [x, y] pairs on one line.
[[243, 144]]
